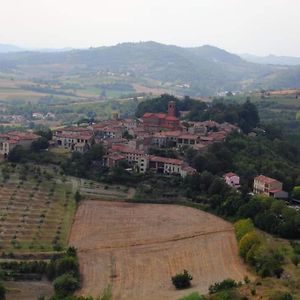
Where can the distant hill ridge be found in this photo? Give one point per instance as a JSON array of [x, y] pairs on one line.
[[205, 70], [6, 48], [272, 59]]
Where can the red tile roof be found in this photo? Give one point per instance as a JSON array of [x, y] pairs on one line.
[[188, 169], [265, 179], [275, 191], [155, 115], [126, 149], [74, 129], [171, 118], [19, 136], [116, 156], [188, 136], [75, 135], [230, 174], [166, 160]]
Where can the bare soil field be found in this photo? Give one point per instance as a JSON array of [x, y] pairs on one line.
[[136, 248], [285, 92], [155, 91]]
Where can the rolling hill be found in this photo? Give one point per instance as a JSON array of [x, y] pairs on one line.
[[272, 60], [202, 70], [5, 48]]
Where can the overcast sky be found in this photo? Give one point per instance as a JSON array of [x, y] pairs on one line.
[[241, 26]]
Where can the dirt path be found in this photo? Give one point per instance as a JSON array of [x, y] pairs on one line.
[[138, 247]]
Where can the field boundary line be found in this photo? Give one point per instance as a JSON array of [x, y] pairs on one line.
[[159, 242]]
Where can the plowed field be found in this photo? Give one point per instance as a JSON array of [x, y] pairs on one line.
[[136, 248]]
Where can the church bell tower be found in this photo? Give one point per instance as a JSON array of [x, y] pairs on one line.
[[171, 109]]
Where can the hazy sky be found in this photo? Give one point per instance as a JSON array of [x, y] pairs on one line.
[[253, 26]]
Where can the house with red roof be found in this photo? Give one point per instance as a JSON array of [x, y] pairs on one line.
[[78, 139], [113, 158], [11, 139], [169, 166], [269, 186], [232, 179]]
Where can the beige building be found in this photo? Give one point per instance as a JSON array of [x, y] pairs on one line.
[[74, 138], [164, 165], [269, 187], [11, 139]]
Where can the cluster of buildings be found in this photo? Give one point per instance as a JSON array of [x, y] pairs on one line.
[[262, 185], [42, 116], [11, 119], [11, 139], [143, 162], [130, 139]]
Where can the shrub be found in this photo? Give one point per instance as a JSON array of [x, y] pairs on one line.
[[65, 285], [192, 296], [295, 259], [107, 293], [182, 280], [296, 192], [278, 272], [296, 247], [254, 253], [247, 242], [2, 292], [71, 251], [77, 197], [281, 296], [228, 295], [223, 285], [247, 280], [242, 227]]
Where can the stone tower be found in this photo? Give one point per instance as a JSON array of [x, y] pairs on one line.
[[171, 109]]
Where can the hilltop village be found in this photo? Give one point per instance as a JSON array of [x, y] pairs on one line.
[[215, 157], [130, 139]]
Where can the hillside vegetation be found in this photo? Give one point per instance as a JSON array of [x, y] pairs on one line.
[[193, 71]]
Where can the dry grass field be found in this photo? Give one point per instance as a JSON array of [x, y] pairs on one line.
[[136, 248], [96, 190], [28, 290]]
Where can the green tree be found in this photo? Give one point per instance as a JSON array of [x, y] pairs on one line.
[[67, 264], [77, 196], [249, 117], [182, 280], [296, 192], [40, 144], [65, 285], [46, 133], [17, 154]]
